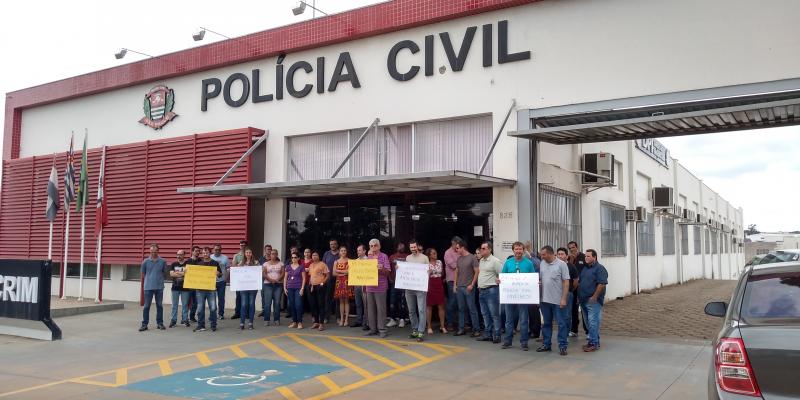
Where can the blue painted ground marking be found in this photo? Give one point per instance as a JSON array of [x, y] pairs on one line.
[[233, 379]]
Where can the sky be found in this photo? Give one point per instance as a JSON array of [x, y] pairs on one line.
[[759, 171]]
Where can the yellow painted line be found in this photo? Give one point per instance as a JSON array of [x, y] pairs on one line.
[[165, 368], [378, 377], [203, 358], [122, 376], [456, 349], [403, 350], [365, 352], [330, 356], [6, 394], [330, 384], [238, 351], [437, 347], [94, 383], [279, 351], [287, 393]]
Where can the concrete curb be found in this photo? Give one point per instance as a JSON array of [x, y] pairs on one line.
[[87, 309]]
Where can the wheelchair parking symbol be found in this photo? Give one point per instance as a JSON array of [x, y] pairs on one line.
[[238, 379]]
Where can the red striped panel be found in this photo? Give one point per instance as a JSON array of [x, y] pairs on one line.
[[141, 192]]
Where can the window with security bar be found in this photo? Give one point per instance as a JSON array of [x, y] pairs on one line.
[[559, 217], [685, 240], [646, 237], [697, 240], [668, 234], [612, 229]]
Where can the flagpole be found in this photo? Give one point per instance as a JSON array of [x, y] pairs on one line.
[[83, 242], [50, 244], [98, 293], [65, 261]]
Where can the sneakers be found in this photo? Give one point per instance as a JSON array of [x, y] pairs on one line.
[[199, 328], [222, 317], [213, 329], [573, 334], [172, 324], [383, 334], [250, 327], [484, 339], [266, 323], [459, 333], [496, 340], [543, 349], [562, 351], [193, 318], [371, 333], [142, 328], [392, 323], [293, 325], [413, 335], [402, 323], [525, 347], [185, 323], [241, 327], [161, 327], [276, 323], [475, 334], [505, 345], [234, 316], [589, 348]]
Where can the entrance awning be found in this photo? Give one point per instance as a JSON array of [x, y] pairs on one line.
[[413, 182], [673, 114]]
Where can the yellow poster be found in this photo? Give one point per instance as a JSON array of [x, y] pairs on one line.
[[203, 277], [363, 272]]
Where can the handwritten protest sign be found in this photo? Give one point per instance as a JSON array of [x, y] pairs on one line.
[[203, 277], [519, 288], [362, 272], [246, 278], [411, 276]]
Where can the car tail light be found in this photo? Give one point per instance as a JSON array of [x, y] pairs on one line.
[[734, 373]]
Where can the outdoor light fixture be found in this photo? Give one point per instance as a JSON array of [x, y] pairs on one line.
[[200, 33], [123, 51], [281, 57], [301, 8]]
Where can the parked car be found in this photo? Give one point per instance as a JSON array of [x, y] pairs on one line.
[[777, 256], [755, 260], [757, 351]]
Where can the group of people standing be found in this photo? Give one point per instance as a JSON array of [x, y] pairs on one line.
[[463, 287]]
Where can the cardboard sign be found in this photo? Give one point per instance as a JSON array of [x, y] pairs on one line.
[[519, 288], [411, 276], [246, 278], [363, 272], [202, 277]]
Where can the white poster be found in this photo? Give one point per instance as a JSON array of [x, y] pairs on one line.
[[411, 276], [522, 288], [246, 278]]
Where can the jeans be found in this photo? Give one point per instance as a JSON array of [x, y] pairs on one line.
[[183, 295], [295, 305], [466, 302], [516, 312], [417, 304], [359, 293], [376, 304], [318, 303], [148, 298], [397, 306], [575, 319], [237, 309], [490, 308], [248, 302], [272, 298], [451, 306], [204, 296], [593, 315], [193, 303], [561, 315], [221, 298]]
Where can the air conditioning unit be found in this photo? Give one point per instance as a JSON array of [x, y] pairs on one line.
[[677, 211], [598, 164], [733, 232], [637, 215], [689, 215], [663, 197], [701, 219]]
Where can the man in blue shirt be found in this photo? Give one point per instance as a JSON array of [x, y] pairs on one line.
[[517, 264], [153, 270], [592, 291]]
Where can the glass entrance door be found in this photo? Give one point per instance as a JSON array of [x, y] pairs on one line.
[[432, 218]]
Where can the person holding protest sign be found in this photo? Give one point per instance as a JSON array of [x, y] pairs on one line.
[[435, 296], [416, 299], [207, 296], [153, 270], [273, 273], [376, 295], [517, 312], [294, 280], [248, 297], [361, 293], [343, 293], [317, 277], [194, 260]]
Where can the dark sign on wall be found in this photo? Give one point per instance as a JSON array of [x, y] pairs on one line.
[[25, 291], [655, 150]]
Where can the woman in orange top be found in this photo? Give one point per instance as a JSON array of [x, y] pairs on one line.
[[318, 275], [342, 292]]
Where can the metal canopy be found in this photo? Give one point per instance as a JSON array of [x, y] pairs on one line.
[[413, 182], [710, 115]]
